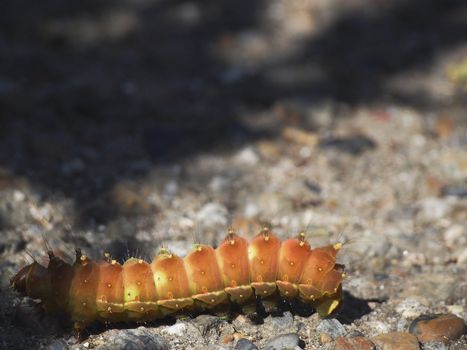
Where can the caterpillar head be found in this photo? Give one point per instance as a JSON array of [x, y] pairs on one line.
[[49, 284], [32, 280]]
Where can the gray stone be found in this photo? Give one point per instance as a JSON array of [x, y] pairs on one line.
[[245, 344], [332, 327], [411, 308], [247, 156], [402, 325], [287, 341], [455, 191], [133, 339], [277, 325], [179, 329], [354, 144], [205, 323], [434, 345]]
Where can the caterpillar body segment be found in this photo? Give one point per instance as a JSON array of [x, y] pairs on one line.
[[139, 294], [293, 256], [263, 253], [171, 282], [206, 285], [236, 272], [83, 291], [232, 258]]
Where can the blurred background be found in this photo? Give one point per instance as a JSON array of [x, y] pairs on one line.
[[129, 124]]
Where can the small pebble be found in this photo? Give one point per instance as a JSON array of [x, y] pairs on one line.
[[313, 186], [457, 310], [455, 191], [396, 341], [206, 322], [268, 150], [279, 325], [411, 308], [357, 343], [135, 339], [402, 325], [245, 344], [177, 329], [247, 156], [434, 345], [332, 327], [218, 183], [440, 328], [325, 338], [19, 196], [228, 338], [212, 215], [300, 136], [454, 235], [283, 341], [353, 145]]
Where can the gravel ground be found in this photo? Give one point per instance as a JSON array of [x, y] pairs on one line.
[[112, 143]]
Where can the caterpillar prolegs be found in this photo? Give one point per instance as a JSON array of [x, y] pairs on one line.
[[235, 272]]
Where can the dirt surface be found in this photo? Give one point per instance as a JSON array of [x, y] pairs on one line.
[[128, 125]]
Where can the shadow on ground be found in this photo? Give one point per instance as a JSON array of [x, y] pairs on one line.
[[354, 308], [94, 92]]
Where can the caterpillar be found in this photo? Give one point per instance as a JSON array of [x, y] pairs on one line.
[[237, 272]]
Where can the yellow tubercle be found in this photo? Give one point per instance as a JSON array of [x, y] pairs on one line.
[[165, 252], [337, 246]]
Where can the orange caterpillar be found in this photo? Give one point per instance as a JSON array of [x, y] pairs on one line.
[[236, 272]]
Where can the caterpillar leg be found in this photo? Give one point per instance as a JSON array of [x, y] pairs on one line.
[[301, 308], [271, 304], [78, 329], [329, 304], [224, 311]]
